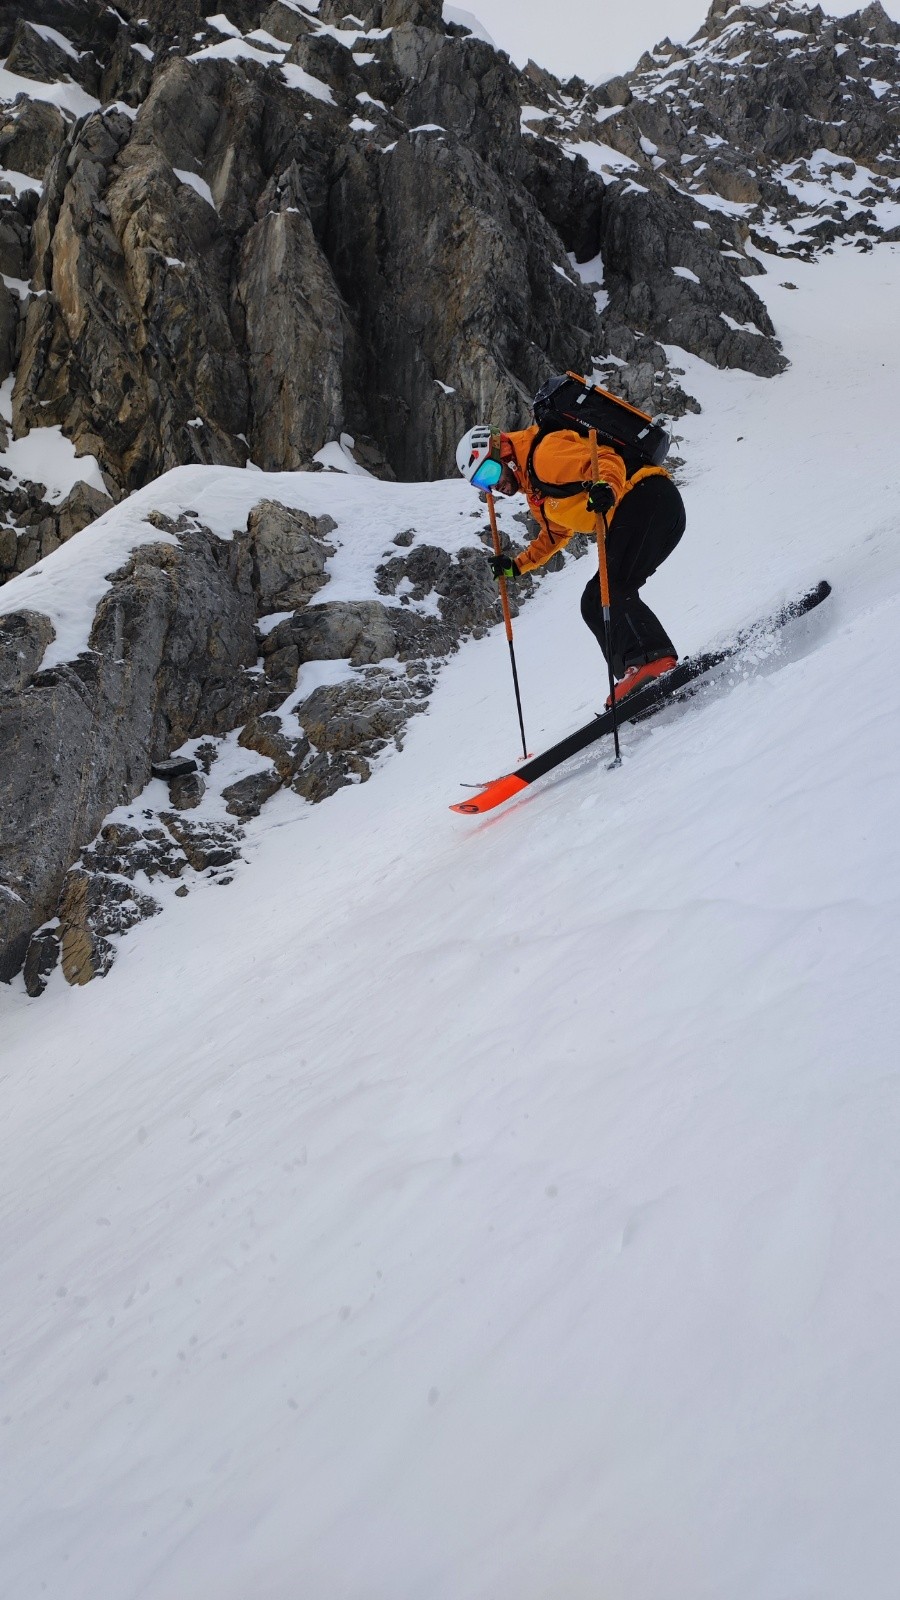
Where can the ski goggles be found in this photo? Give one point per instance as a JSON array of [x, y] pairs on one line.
[[488, 475]]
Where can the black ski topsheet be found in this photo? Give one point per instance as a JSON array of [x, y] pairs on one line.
[[642, 702]]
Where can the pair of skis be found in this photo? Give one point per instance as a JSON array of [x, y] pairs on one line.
[[641, 703]]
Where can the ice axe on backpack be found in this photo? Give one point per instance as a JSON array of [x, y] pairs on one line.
[[601, 526]]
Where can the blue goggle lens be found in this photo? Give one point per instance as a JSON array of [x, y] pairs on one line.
[[488, 475]]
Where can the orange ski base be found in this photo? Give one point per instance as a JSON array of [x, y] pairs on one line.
[[494, 795]]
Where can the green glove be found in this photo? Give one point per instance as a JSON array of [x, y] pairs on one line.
[[504, 567]]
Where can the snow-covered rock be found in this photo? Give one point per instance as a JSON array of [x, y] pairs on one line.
[[162, 633]]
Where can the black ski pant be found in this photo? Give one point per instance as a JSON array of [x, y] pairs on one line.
[[645, 529]]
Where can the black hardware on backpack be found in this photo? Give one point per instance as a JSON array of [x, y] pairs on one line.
[[570, 402]]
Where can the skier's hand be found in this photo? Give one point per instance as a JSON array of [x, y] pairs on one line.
[[504, 567], [601, 498]]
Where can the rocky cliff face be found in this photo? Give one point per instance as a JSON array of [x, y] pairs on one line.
[[251, 241], [243, 237], [780, 119], [239, 238]]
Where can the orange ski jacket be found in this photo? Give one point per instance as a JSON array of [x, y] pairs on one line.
[[564, 457]]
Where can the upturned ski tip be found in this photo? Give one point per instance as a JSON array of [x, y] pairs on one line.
[[494, 795]]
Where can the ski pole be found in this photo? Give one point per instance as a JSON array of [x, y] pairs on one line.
[[604, 597], [507, 619]]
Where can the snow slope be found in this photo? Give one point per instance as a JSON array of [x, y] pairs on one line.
[[508, 1210]]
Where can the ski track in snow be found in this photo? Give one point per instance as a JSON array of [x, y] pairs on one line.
[[507, 1210]]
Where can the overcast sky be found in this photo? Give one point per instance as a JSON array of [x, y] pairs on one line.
[[597, 38]]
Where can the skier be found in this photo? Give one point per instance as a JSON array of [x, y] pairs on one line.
[[645, 520]]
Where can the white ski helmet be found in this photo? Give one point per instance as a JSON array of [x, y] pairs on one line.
[[474, 448]]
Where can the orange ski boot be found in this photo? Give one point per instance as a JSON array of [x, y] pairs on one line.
[[640, 677]]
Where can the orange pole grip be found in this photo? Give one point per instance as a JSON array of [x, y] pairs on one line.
[[495, 534]]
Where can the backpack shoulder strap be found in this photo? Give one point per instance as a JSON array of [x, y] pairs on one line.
[[556, 491]]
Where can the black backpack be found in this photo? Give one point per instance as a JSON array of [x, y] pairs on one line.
[[570, 402]]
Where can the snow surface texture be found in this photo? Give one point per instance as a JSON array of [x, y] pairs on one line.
[[67, 95], [508, 1210]]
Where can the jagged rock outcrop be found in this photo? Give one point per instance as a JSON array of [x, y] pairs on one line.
[[35, 527], [667, 280], [132, 349], [177, 653], [171, 655], [299, 338], [435, 242], [349, 724], [93, 906], [289, 225], [289, 552], [9, 327], [231, 317], [778, 123]]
